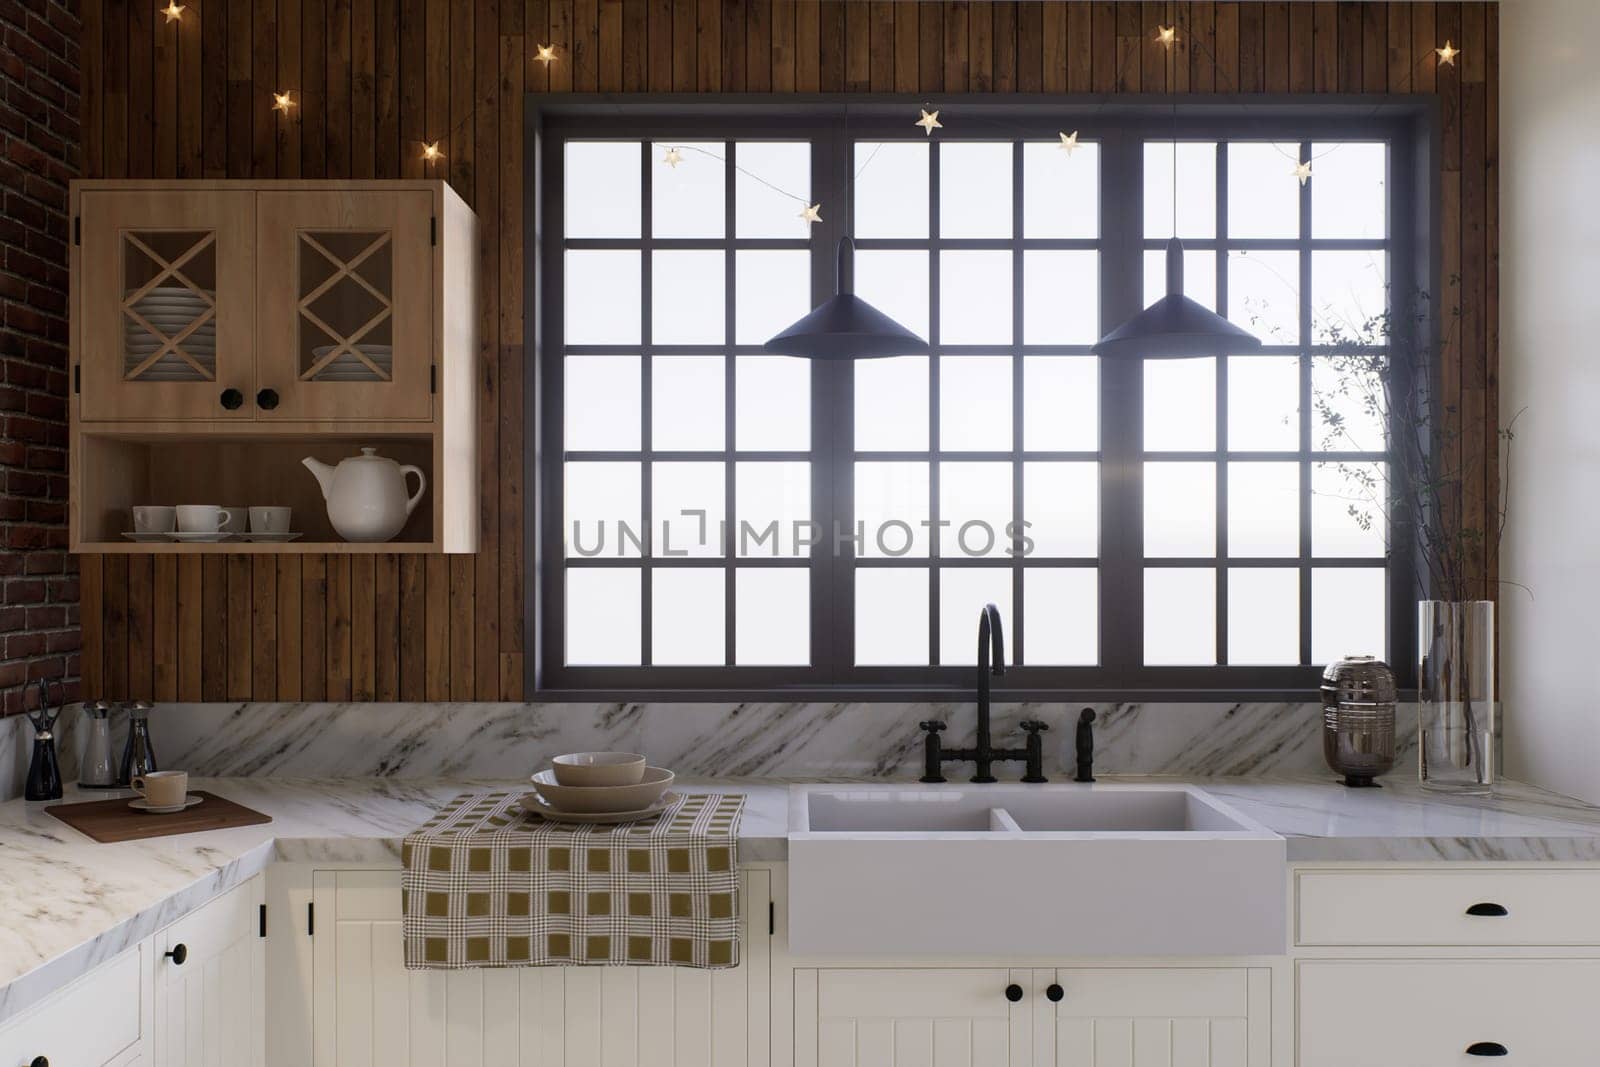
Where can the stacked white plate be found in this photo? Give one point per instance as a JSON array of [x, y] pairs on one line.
[[169, 309], [348, 367]]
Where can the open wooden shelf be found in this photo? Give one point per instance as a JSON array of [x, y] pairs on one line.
[[123, 468]]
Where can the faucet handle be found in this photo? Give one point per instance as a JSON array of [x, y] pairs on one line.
[[933, 726], [1033, 726]]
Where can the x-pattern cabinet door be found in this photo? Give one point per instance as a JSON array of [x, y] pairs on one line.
[[345, 288], [165, 305]]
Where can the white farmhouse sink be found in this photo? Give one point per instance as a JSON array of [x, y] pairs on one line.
[[1059, 870]]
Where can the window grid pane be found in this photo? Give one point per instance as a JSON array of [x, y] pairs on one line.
[[1274, 294], [702, 426], [989, 395]]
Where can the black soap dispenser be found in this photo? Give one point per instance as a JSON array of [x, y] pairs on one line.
[[44, 770]]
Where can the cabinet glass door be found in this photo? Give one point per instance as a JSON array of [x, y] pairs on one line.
[[344, 286], [165, 306]]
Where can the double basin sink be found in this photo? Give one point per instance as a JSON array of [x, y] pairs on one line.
[[1054, 870]]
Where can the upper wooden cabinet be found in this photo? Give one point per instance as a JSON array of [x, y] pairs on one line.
[[285, 301], [224, 330]]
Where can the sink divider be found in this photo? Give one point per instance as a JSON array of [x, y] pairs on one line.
[[1001, 822]]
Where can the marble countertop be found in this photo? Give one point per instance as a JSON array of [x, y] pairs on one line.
[[76, 903]]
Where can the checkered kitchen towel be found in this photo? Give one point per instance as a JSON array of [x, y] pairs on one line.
[[488, 884]]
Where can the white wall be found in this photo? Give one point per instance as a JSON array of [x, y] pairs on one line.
[[1550, 366]]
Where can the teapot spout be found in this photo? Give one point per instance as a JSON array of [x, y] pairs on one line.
[[323, 472]]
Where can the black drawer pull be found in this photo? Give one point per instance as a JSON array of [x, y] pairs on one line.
[[1490, 910], [178, 953], [39, 1061], [1054, 993], [1013, 992], [1486, 1048]]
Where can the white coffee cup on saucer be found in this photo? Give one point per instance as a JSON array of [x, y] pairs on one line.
[[154, 518], [202, 518], [269, 520], [163, 789]]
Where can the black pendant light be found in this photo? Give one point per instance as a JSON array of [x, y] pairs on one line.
[[844, 326], [1176, 327]]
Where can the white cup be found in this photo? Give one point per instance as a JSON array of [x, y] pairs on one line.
[[162, 789], [202, 518], [269, 520], [154, 518]]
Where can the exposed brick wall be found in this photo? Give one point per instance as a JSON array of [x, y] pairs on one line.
[[39, 154]]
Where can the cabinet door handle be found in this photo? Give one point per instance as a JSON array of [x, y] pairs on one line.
[[1053, 993], [267, 399], [232, 399], [1013, 992], [178, 953], [1486, 1048], [1487, 909], [39, 1061]]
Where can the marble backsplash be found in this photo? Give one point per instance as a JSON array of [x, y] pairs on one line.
[[785, 740]]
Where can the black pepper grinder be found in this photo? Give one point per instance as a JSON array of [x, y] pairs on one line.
[[139, 755], [44, 770]]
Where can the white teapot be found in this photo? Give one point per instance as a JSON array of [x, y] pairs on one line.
[[366, 494]]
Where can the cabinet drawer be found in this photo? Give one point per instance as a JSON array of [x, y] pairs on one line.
[[1495, 907], [55, 1029], [1413, 1014]]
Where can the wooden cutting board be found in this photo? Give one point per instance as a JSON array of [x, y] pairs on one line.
[[109, 821]]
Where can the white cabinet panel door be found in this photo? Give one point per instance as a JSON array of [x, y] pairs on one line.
[[1154, 1017], [911, 1017], [369, 1011], [1106, 1017], [210, 1010]]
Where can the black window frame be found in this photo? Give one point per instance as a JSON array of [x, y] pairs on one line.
[[1409, 124]]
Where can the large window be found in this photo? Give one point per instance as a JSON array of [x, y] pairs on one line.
[[714, 518]]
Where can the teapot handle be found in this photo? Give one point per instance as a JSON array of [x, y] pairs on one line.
[[422, 486]]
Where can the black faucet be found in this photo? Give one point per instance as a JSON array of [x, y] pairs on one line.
[[1083, 746], [983, 755]]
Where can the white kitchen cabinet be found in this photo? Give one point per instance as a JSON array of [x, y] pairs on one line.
[[58, 1028], [1443, 1013], [367, 1010], [210, 984], [1106, 1017]]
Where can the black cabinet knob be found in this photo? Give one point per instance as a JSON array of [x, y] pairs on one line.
[[232, 399], [267, 399], [1053, 993], [1489, 910], [178, 953], [1013, 992], [1486, 1048], [1033, 727], [39, 1061]]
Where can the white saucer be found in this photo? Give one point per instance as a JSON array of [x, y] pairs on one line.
[[220, 535], [144, 805], [270, 538], [164, 536], [535, 803]]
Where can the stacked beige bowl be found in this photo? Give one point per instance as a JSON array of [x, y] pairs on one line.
[[600, 787]]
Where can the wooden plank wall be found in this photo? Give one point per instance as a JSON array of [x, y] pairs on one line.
[[373, 79]]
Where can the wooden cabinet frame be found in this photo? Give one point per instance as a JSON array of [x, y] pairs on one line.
[[171, 443]]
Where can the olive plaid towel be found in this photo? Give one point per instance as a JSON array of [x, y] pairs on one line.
[[488, 884]]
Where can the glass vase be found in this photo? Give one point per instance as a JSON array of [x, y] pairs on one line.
[[1456, 695]]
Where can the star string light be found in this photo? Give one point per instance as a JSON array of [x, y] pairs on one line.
[[1069, 143], [1167, 35], [1447, 54], [811, 213], [1302, 170], [431, 153], [283, 101], [673, 157], [173, 10], [929, 121], [546, 54]]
